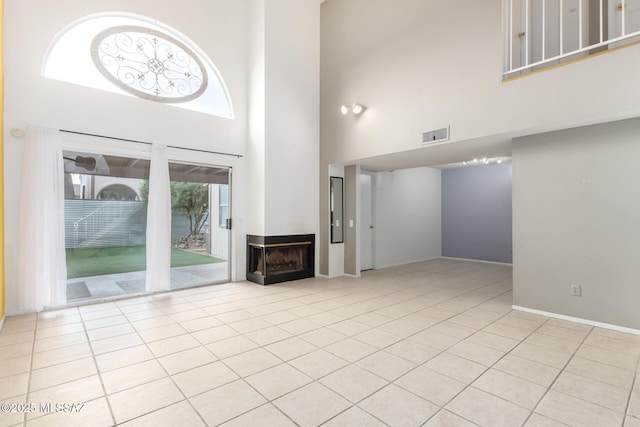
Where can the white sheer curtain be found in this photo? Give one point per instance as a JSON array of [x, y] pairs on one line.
[[42, 269], [159, 222]]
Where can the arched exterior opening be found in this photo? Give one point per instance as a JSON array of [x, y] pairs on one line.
[[118, 192]]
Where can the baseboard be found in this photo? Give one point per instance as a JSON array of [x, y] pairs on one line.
[[578, 320], [18, 313], [400, 264], [337, 276], [326, 276], [478, 260]]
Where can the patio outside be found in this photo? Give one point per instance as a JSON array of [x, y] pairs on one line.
[[105, 233], [107, 272], [120, 284]]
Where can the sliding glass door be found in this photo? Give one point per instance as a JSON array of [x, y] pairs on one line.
[[106, 219], [199, 226]]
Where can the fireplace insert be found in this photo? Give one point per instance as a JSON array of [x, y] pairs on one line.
[[275, 259]]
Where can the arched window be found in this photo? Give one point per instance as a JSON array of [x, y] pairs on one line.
[[134, 55], [118, 192]]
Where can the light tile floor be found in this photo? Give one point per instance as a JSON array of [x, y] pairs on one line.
[[433, 343]]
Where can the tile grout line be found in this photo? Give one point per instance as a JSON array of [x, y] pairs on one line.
[[120, 349], [155, 358], [321, 326], [243, 379], [95, 363], [633, 386], [268, 401], [403, 305], [559, 374], [443, 407], [314, 380], [442, 351], [419, 365], [490, 367], [33, 347]]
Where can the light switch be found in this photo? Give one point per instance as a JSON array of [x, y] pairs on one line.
[[350, 223]]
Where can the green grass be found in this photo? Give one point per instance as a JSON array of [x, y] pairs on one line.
[[87, 262]]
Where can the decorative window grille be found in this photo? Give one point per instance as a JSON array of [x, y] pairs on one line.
[[138, 56], [149, 64]]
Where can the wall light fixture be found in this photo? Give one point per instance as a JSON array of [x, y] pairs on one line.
[[356, 109]]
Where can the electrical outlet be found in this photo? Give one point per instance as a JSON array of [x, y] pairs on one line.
[[576, 290]]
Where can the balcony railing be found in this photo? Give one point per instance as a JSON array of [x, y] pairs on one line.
[[542, 33]]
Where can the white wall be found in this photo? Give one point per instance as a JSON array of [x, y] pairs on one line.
[[218, 27], [292, 69], [407, 216], [434, 63], [426, 64], [240, 37], [284, 118], [256, 143], [575, 221]]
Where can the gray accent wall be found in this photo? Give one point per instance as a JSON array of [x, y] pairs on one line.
[[576, 216], [476, 213]]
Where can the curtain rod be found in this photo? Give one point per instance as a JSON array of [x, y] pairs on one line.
[[149, 143]]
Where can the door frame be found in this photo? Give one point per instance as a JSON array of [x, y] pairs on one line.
[[371, 227], [129, 148]]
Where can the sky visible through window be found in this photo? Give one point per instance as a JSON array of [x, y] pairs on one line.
[[69, 59]]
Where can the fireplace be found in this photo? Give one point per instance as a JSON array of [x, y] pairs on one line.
[[275, 259]]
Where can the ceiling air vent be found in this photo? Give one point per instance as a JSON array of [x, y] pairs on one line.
[[437, 135]]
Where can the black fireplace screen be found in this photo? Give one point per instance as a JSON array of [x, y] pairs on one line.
[[273, 259]]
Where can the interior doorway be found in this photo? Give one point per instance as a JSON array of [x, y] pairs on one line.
[[366, 222], [200, 224]]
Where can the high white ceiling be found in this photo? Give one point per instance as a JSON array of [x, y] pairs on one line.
[[444, 155]]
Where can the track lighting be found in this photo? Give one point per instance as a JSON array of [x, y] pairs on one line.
[[484, 161]]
